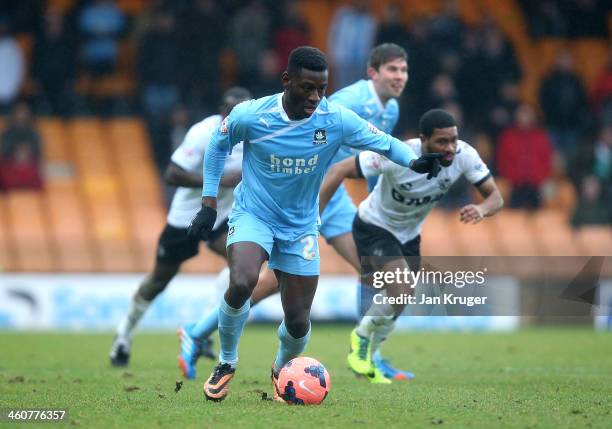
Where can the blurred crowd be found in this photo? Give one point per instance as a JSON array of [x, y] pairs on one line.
[[20, 151], [186, 51]]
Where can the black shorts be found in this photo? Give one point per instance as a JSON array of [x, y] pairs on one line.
[[374, 242], [174, 246]]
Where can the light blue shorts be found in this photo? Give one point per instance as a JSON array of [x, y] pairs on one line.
[[337, 218], [299, 257]]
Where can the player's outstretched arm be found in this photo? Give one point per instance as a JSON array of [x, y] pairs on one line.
[[493, 202], [334, 177], [360, 134], [400, 153]]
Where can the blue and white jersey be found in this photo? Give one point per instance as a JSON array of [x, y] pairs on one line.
[[361, 98], [284, 161]]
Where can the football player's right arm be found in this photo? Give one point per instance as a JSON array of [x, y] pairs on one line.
[[183, 166], [231, 132], [204, 220], [214, 161]]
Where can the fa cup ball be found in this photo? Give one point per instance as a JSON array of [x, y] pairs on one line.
[[303, 381]]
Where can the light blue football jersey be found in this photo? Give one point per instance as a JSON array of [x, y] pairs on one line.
[[284, 161], [361, 98]]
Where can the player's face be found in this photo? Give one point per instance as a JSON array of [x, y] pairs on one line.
[[444, 141], [390, 78], [304, 92]]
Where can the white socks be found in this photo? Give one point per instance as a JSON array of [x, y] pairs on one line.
[[138, 307], [376, 325]]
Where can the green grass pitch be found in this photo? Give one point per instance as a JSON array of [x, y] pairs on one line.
[[534, 378]]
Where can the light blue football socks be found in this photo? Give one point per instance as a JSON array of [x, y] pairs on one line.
[[207, 324], [231, 325], [289, 347]]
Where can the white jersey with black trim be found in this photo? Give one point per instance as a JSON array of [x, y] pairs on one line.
[[402, 198], [190, 156]]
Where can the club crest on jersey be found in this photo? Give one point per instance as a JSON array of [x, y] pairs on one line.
[[373, 128], [444, 184], [319, 138], [223, 127]]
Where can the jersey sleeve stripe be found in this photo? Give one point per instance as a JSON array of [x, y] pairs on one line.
[[481, 181], [358, 165]]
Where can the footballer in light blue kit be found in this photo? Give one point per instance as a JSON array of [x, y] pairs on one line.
[[289, 140], [374, 100], [276, 204]]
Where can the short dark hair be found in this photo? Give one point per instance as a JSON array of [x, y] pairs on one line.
[[232, 97], [306, 57], [435, 118], [384, 53]]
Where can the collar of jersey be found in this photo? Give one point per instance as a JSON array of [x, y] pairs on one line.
[[379, 103], [286, 118]]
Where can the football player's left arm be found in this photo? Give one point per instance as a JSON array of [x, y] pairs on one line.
[[360, 134], [493, 202]]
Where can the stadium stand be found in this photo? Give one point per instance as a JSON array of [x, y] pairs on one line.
[[102, 205], [68, 225], [438, 227], [514, 233], [139, 192], [31, 243], [560, 243], [100, 187], [6, 246], [595, 240], [590, 55]]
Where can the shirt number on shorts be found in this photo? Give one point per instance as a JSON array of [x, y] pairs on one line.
[[309, 244]]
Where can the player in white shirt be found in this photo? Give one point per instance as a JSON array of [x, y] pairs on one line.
[[388, 222], [175, 247]]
